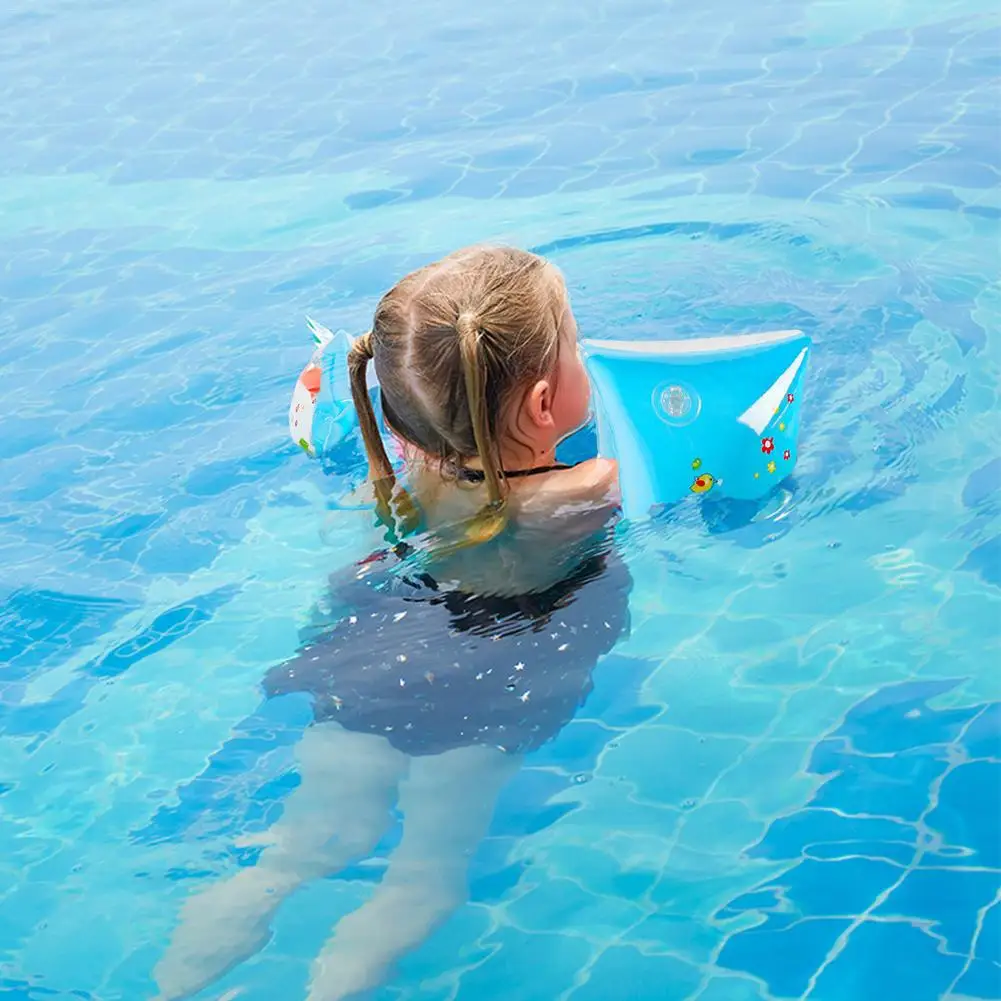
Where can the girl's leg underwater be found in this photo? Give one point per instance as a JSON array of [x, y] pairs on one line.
[[340, 810], [447, 802]]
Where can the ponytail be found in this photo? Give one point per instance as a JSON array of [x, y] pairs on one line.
[[491, 519], [380, 470]]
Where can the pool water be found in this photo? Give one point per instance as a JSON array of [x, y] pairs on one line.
[[787, 783]]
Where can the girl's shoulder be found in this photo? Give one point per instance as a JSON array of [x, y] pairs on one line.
[[595, 481]]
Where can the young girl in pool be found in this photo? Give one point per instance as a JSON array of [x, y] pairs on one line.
[[456, 651]]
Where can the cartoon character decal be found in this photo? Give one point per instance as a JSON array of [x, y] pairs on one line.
[[303, 406]]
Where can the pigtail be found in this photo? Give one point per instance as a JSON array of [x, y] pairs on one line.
[[492, 518], [380, 470]]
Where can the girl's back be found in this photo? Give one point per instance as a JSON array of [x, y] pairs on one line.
[[556, 519]]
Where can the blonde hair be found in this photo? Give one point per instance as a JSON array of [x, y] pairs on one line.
[[452, 344]]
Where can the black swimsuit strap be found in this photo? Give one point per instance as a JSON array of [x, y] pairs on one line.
[[477, 475]]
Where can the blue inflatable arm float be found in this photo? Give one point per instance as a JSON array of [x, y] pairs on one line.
[[322, 413], [717, 414], [686, 418]]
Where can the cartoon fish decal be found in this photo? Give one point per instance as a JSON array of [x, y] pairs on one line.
[[703, 484], [311, 378]]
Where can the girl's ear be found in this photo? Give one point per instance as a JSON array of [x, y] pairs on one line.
[[539, 404]]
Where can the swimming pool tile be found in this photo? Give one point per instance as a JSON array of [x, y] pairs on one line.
[[882, 960], [982, 982], [770, 779], [949, 899], [968, 811], [703, 758], [524, 967], [564, 905], [577, 748], [789, 837], [755, 635], [681, 936], [985, 559], [618, 698], [810, 710], [988, 939], [897, 719], [894, 787], [722, 828], [723, 988], [840, 888], [599, 870], [702, 698], [530, 802], [642, 829], [899, 853], [40, 628], [698, 884], [983, 737], [764, 954], [535, 182], [623, 973]]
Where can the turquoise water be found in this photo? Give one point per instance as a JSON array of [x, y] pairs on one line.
[[787, 783]]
